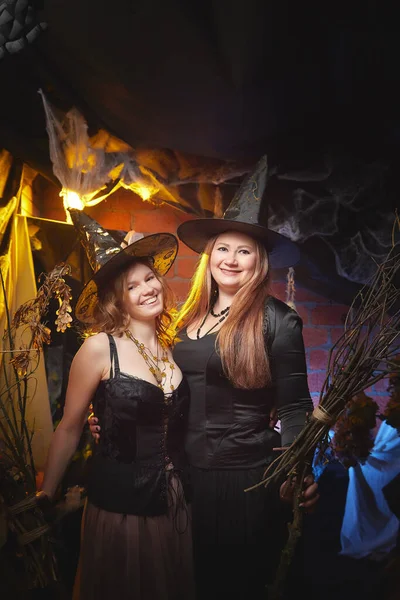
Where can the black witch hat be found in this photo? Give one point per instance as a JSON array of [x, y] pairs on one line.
[[107, 257], [243, 215]]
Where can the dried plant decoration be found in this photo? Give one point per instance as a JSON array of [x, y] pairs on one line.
[[353, 440], [28, 544]]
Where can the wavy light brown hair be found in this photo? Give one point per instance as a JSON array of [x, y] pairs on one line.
[[110, 315], [240, 340]]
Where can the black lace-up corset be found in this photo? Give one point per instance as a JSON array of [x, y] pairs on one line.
[[141, 435]]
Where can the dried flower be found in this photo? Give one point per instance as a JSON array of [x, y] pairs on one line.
[[21, 362], [353, 440], [64, 319], [31, 313], [40, 335]]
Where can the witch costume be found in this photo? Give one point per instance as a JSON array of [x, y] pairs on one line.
[[238, 535], [136, 539]]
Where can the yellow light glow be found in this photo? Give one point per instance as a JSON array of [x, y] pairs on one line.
[[116, 172], [71, 200], [143, 191]]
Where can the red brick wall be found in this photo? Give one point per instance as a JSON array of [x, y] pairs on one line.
[[323, 320]]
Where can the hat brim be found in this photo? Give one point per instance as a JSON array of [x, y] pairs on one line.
[[282, 252], [161, 248]]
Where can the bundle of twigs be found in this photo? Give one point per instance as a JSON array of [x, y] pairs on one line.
[[29, 542], [363, 355]]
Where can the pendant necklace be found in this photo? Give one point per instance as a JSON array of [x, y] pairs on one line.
[[153, 362]]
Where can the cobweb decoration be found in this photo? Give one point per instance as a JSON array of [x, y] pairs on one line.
[[143, 182], [345, 212], [91, 168], [353, 259], [81, 168], [309, 216]]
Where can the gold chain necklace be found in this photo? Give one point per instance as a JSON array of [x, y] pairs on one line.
[[153, 362]]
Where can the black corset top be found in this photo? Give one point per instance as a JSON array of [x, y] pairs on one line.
[[139, 424]]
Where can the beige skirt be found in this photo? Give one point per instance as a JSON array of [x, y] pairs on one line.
[[136, 558]]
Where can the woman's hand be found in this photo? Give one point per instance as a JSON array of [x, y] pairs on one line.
[[42, 499], [44, 502], [94, 426], [309, 494]]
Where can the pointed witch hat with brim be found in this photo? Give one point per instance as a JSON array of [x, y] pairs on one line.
[[106, 257], [243, 215]]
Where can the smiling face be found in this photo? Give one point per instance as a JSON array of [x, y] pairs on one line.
[[233, 260], [143, 297]]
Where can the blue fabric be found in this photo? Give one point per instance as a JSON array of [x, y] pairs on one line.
[[369, 527], [320, 463]]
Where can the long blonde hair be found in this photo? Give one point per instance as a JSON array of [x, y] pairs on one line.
[[110, 315], [240, 340]]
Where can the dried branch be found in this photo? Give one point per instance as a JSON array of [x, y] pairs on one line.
[[26, 522], [359, 358]]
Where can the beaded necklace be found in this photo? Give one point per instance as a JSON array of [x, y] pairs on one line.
[[219, 314], [224, 314], [153, 362]]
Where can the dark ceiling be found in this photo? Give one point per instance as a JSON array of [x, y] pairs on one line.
[[312, 84]]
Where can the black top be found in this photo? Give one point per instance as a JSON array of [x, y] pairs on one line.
[[142, 435], [228, 427]]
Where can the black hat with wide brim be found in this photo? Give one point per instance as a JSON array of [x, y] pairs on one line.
[[107, 258], [242, 216]]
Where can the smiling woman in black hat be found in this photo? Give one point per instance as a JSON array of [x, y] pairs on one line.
[[242, 353], [136, 536]]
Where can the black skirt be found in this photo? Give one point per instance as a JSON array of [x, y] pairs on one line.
[[237, 536]]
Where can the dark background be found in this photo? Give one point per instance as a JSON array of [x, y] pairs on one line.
[[203, 88]]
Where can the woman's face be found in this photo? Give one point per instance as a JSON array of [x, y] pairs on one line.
[[233, 260], [143, 297]]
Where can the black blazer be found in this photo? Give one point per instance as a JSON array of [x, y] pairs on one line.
[[229, 427]]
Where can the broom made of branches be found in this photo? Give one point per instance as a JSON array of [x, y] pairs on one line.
[[363, 355]]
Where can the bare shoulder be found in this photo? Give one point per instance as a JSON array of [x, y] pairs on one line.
[[95, 346], [97, 341]]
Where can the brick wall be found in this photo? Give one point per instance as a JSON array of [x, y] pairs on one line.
[[323, 323], [322, 319]]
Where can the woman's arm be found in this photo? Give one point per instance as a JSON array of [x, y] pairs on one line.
[[292, 396], [87, 370], [289, 374]]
